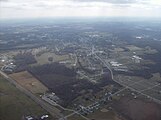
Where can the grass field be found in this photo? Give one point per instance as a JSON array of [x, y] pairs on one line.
[[133, 48], [43, 59], [150, 86], [29, 82], [14, 104]]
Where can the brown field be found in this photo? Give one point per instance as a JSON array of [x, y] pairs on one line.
[[1, 64], [76, 117], [29, 82], [136, 109], [104, 115]]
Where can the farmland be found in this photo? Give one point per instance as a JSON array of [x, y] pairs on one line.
[[137, 109], [85, 70], [104, 115], [14, 104], [26, 80], [150, 87]]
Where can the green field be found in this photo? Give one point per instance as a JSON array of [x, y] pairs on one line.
[[43, 58], [14, 104]]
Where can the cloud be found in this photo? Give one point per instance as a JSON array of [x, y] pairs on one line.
[[44, 4], [41, 8], [110, 1]]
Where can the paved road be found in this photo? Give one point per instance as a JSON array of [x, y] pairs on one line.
[[141, 92], [105, 65], [126, 86], [53, 111]]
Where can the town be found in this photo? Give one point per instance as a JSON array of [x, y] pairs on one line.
[[82, 76]]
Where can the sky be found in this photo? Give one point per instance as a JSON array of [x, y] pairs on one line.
[[11, 9]]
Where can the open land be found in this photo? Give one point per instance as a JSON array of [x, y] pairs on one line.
[[26, 80], [15, 105], [136, 109], [100, 71], [43, 58]]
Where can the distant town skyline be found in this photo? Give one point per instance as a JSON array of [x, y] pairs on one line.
[[11, 9]]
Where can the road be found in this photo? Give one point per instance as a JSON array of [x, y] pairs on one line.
[[88, 78], [126, 86], [66, 109], [53, 111], [105, 64]]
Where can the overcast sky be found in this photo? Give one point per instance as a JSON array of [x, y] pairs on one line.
[[54, 8]]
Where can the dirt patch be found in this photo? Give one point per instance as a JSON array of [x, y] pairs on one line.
[[29, 82], [104, 110], [135, 109]]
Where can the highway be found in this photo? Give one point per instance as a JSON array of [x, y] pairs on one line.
[[105, 64], [53, 111]]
